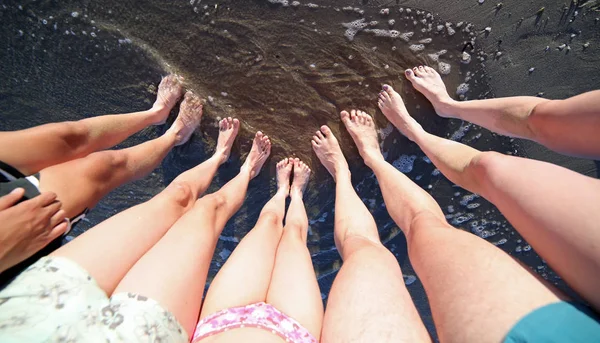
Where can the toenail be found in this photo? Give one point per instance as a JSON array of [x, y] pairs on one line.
[[386, 87]]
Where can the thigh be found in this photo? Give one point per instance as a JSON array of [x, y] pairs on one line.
[[368, 301], [294, 289], [554, 209], [244, 279]]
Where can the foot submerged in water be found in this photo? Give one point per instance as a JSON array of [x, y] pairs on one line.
[[301, 177], [170, 90], [284, 173], [392, 106], [228, 130], [427, 81], [261, 149], [190, 115], [361, 127], [328, 151]]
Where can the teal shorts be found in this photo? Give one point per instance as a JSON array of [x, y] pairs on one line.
[[559, 322]]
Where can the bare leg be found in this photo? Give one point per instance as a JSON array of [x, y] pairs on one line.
[[244, 279], [545, 223], [178, 264], [111, 248], [81, 183], [568, 126], [453, 265], [41, 147], [368, 301], [294, 289]]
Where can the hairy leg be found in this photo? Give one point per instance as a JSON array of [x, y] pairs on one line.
[[368, 301], [81, 183], [453, 265], [110, 249], [545, 223], [244, 279], [567, 126], [294, 289], [41, 147]]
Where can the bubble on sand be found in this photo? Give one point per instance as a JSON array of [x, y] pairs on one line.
[[462, 89], [406, 36], [354, 27], [417, 48], [436, 55], [444, 68], [405, 163], [426, 41], [75, 14], [465, 58]]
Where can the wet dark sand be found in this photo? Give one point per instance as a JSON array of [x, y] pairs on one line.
[[286, 71]]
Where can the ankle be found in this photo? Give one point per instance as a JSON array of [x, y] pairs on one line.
[[447, 106], [370, 157], [296, 192]]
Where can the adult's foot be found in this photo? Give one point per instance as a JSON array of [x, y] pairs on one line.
[[261, 149], [228, 130], [427, 81], [301, 176], [362, 129], [284, 172], [392, 106], [170, 90], [328, 151], [190, 114]]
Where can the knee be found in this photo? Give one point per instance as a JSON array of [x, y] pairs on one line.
[[214, 201], [269, 218], [74, 134], [356, 245], [179, 194], [537, 120], [484, 166]]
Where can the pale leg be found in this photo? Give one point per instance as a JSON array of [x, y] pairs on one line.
[[454, 266], [41, 147], [110, 249], [368, 301], [294, 289], [568, 126]]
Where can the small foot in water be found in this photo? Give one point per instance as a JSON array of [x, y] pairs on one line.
[[190, 114], [261, 149], [284, 173], [301, 176], [427, 81], [228, 130], [170, 90], [361, 127], [328, 151], [392, 106]]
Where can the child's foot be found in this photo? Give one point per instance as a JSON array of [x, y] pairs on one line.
[[329, 152], [228, 130], [392, 106], [427, 81], [169, 92], [190, 114], [261, 149], [284, 172], [301, 176], [362, 129]]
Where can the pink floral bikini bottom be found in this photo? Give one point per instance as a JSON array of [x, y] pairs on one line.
[[260, 315]]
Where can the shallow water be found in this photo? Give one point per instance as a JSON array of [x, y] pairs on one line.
[[284, 70]]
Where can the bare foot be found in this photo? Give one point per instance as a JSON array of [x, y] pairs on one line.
[[329, 152], [427, 81], [190, 114], [284, 172], [301, 176], [362, 129], [228, 130], [261, 149], [392, 106], [169, 92]]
